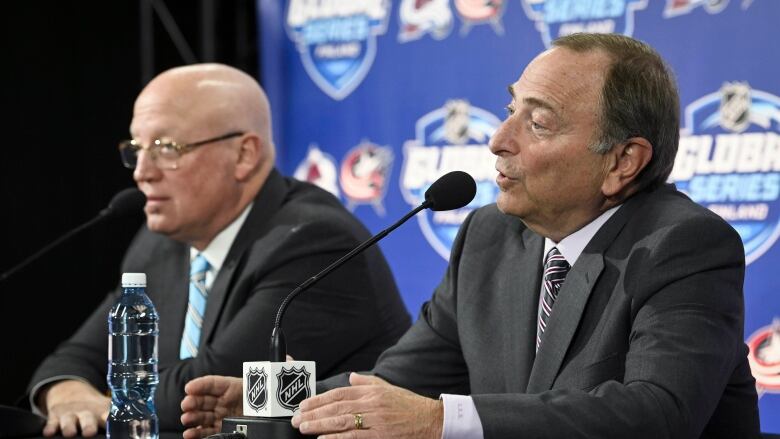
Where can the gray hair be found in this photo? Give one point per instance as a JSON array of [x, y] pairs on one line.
[[639, 99]]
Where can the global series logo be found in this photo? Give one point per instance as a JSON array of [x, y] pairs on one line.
[[729, 161], [453, 137], [557, 18], [337, 40]]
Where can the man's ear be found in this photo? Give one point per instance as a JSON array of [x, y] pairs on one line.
[[626, 160], [251, 154]]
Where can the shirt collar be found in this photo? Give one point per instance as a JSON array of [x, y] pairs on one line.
[[571, 247], [217, 250]]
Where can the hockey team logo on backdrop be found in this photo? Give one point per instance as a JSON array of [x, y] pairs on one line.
[[764, 358], [293, 387], [365, 172], [557, 18], [337, 40], [453, 137], [318, 168], [729, 161], [679, 7], [475, 12], [417, 18], [256, 389]]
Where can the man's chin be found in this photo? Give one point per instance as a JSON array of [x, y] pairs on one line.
[[158, 225]]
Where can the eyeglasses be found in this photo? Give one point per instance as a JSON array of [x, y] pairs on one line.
[[165, 153]]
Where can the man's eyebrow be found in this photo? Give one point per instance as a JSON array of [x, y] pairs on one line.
[[511, 90], [536, 102]]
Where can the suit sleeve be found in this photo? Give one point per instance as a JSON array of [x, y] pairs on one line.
[[686, 340], [428, 359]]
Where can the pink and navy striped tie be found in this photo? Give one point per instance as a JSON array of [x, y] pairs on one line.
[[555, 270]]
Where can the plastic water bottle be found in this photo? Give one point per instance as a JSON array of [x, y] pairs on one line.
[[132, 362]]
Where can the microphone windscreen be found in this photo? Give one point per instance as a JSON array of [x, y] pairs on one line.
[[126, 201], [451, 191]]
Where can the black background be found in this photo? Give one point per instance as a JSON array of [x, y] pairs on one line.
[[70, 73]]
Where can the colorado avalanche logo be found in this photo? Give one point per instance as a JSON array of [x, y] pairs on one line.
[[256, 389], [729, 161], [337, 40], [318, 168], [474, 12], [293, 387], [764, 358], [559, 18], [680, 7], [365, 172], [419, 17], [450, 138]]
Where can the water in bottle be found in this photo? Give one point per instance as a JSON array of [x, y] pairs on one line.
[[132, 362]]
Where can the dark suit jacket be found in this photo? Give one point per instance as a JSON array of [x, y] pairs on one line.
[[293, 231], [645, 339]]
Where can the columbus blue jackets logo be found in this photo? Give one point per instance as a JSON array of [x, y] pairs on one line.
[[420, 17], [680, 7], [318, 168], [365, 173], [474, 12], [337, 40], [453, 137], [729, 161], [557, 18], [257, 389], [293, 387], [764, 358]]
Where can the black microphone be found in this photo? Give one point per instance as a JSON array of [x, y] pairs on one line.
[[126, 201], [451, 191]]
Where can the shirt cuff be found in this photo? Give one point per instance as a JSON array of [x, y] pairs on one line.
[[461, 420]]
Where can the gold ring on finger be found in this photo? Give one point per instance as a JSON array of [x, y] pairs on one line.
[[358, 421]]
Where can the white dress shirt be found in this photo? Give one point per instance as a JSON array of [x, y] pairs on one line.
[[461, 420]]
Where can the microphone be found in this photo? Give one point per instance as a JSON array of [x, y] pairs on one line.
[[272, 390], [124, 202], [450, 191]]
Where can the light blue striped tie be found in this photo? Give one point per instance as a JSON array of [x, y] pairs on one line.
[[195, 309]]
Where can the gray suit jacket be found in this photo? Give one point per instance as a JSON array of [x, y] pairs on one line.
[[645, 339], [293, 230]]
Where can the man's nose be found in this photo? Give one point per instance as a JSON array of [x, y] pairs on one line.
[[496, 143], [145, 168]]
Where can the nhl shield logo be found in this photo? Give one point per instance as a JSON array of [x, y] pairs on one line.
[[256, 389], [735, 106], [293, 387]]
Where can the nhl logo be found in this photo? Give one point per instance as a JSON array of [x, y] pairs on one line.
[[735, 106], [293, 387], [256, 391]]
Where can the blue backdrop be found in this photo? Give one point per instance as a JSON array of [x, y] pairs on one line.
[[374, 99]]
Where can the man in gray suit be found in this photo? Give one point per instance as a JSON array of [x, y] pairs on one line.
[[592, 300]]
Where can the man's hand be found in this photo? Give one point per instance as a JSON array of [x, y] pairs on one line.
[[209, 399], [384, 411], [73, 406]]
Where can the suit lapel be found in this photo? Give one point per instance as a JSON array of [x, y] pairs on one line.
[[169, 285], [266, 204], [573, 298], [564, 320], [525, 284]]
